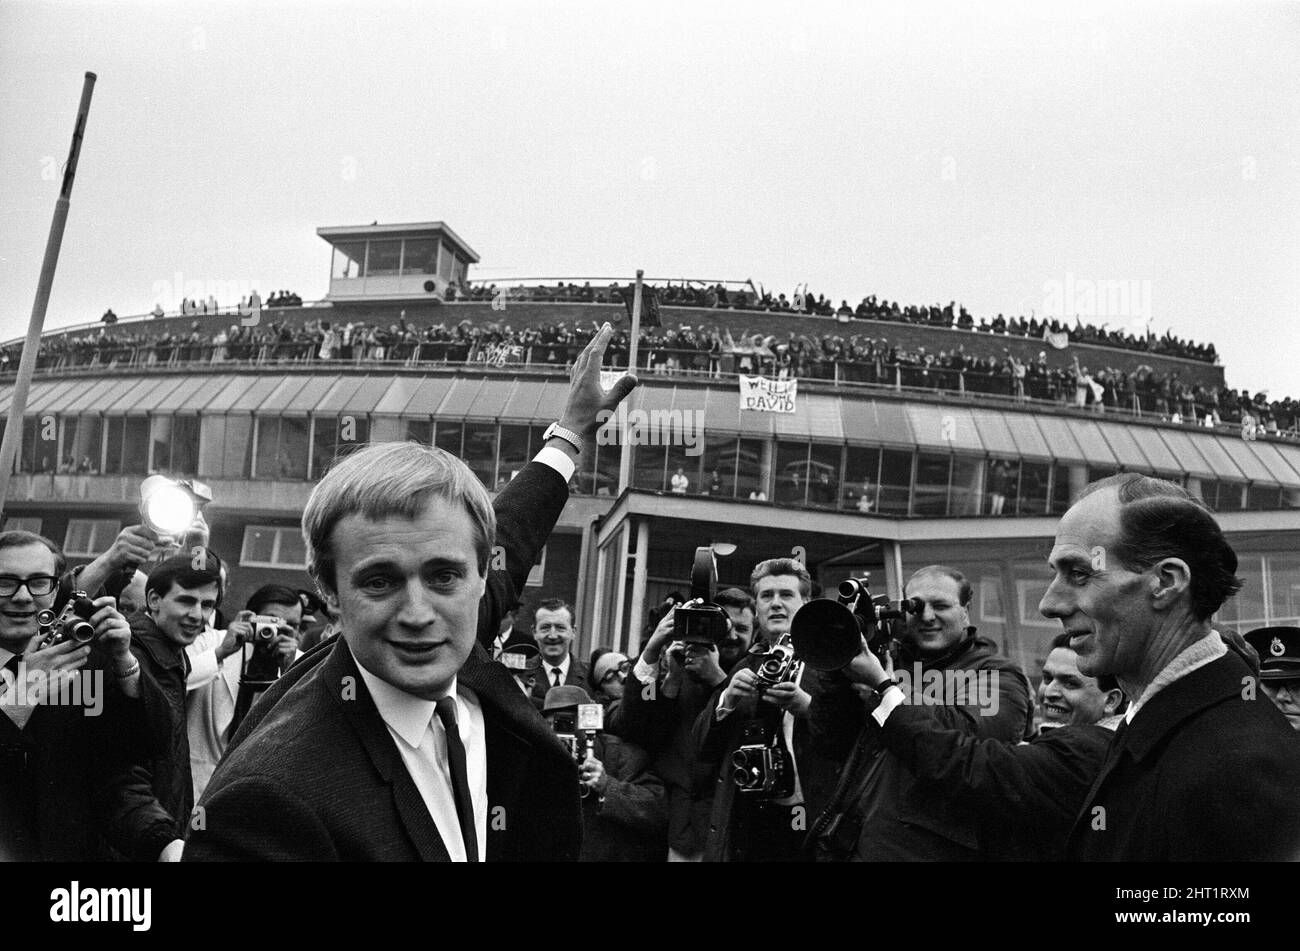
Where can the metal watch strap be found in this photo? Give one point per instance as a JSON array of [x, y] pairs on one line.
[[559, 432]]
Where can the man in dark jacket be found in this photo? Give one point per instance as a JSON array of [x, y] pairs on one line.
[[1205, 768], [880, 810], [624, 814], [659, 713], [401, 739], [1026, 795], [180, 596], [65, 748]]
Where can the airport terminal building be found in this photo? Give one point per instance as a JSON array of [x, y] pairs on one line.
[[862, 477]]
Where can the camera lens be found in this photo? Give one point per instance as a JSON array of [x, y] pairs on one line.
[[82, 632]]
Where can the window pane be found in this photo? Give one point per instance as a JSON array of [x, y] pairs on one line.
[[1229, 497], [90, 536], [791, 472], [1245, 609], [1060, 489], [418, 430], [720, 466], [348, 258], [268, 436], [385, 256], [481, 451], [259, 545], [966, 495], [1033, 488], [1001, 481], [324, 435], [421, 256], [448, 435], [238, 460], [608, 460], [292, 461], [861, 467], [1262, 498], [1284, 589], [514, 452], [291, 550], [185, 445], [824, 476], [161, 458], [212, 447], [751, 478], [135, 446], [648, 467], [354, 434], [931, 496], [680, 465], [895, 481]]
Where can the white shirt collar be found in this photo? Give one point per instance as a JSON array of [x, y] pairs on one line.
[[563, 666], [406, 714]]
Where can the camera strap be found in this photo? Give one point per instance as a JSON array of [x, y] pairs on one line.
[[834, 834]]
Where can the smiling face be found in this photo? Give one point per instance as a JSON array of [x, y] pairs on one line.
[[408, 592], [181, 614], [777, 598], [553, 631], [944, 621], [1065, 696], [18, 611], [1102, 605]]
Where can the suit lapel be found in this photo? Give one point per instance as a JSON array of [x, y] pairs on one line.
[[340, 672], [513, 730]]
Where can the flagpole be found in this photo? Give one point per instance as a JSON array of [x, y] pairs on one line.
[[27, 365], [625, 455]]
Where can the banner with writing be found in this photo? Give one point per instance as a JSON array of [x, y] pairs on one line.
[[761, 395]]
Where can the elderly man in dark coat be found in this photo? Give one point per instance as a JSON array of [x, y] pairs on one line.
[[1204, 768]]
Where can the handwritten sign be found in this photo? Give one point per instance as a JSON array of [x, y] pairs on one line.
[[761, 395]]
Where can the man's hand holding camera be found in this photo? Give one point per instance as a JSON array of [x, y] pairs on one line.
[[593, 775], [112, 633]]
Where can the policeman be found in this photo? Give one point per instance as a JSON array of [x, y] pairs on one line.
[[1279, 667]]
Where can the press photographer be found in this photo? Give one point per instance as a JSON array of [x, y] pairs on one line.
[[879, 810], [624, 813], [753, 733], [668, 688], [230, 668], [61, 762]]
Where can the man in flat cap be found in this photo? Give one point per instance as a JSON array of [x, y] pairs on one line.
[[1279, 668]]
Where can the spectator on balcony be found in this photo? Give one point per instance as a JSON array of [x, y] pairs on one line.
[[109, 317], [1000, 484], [679, 482]]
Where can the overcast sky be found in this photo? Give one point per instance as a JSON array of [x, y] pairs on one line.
[[993, 154]]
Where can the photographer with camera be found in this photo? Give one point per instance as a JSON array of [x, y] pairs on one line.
[[624, 814], [180, 597], [230, 668], [69, 705], [753, 733], [880, 811], [668, 687]]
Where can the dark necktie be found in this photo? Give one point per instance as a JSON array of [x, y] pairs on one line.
[[555, 671], [446, 708]]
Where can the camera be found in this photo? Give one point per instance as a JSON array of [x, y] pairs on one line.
[[705, 622], [777, 666], [265, 627], [761, 768], [828, 633], [71, 624]]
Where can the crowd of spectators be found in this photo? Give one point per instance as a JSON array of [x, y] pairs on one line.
[[856, 358], [751, 297]]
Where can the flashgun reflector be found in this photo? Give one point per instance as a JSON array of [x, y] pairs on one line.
[[591, 717], [166, 507], [514, 661]]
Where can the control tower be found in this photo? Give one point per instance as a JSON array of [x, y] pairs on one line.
[[396, 262]]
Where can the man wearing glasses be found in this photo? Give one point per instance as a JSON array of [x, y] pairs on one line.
[[61, 761], [230, 669]]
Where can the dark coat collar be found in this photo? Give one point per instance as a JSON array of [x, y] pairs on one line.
[[162, 650], [1204, 687]]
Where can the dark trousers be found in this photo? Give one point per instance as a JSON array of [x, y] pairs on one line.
[[767, 832]]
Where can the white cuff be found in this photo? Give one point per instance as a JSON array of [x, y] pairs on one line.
[[721, 713], [892, 697], [557, 460], [644, 672]]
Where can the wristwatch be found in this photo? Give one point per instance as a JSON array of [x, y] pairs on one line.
[[568, 435]]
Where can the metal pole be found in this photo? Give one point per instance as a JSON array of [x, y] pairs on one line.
[[27, 365], [625, 449]]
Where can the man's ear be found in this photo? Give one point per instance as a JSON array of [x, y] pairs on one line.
[[1112, 702], [1171, 580]]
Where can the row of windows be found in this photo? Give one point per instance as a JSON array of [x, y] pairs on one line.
[[265, 546], [396, 256], [798, 473]]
